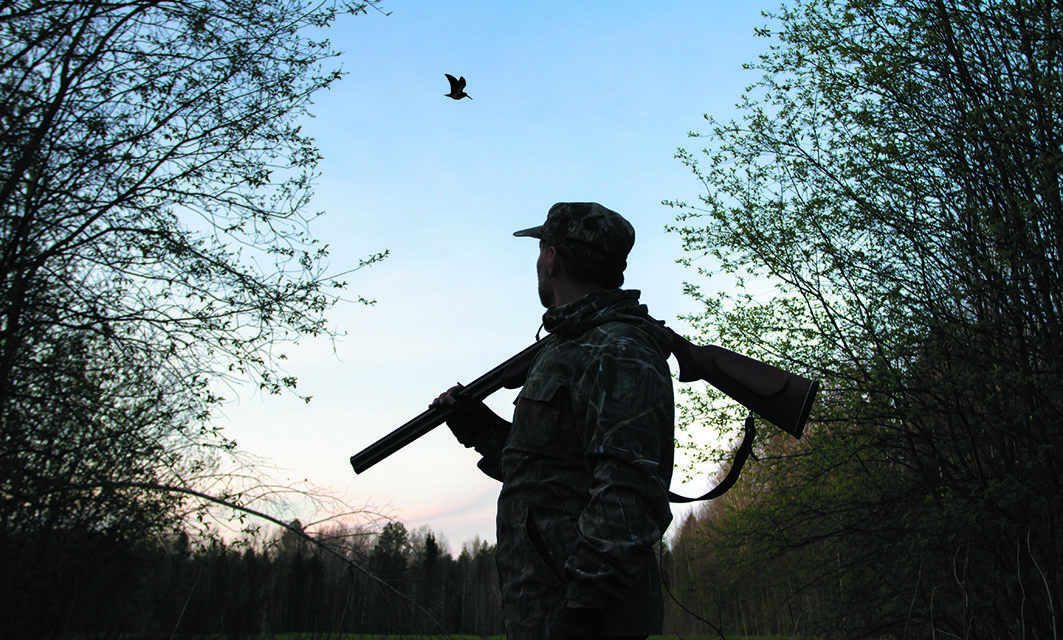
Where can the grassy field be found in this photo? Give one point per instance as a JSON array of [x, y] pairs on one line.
[[381, 637]]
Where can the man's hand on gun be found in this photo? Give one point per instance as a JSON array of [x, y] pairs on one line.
[[446, 398], [469, 421]]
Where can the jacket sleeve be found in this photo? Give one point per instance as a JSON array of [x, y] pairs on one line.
[[490, 450], [477, 427], [627, 434]]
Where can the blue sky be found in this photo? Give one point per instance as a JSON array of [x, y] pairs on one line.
[[581, 101]]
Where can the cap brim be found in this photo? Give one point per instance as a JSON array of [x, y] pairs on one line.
[[534, 232]]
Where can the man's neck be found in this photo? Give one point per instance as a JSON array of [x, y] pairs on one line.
[[566, 291]]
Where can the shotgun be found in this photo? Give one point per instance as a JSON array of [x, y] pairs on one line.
[[783, 399]]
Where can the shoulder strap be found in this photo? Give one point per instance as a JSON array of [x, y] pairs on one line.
[[732, 476]]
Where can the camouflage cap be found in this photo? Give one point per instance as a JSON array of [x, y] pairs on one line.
[[588, 232]]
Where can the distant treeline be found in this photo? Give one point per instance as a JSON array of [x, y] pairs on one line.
[[389, 581], [84, 583]]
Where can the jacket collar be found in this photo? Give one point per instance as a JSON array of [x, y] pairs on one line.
[[593, 309]]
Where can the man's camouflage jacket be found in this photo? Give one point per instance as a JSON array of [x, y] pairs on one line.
[[585, 469]]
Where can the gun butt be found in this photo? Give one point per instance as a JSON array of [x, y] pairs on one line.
[[782, 398]]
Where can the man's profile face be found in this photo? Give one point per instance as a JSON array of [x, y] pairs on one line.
[[546, 290]]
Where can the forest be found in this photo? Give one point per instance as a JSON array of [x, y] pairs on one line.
[[392, 582], [894, 176]]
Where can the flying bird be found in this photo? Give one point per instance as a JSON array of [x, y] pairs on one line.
[[457, 88]]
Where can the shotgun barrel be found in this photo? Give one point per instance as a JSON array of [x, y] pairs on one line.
[[511, 374]]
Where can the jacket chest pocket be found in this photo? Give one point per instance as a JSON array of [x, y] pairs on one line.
[[542, 417]]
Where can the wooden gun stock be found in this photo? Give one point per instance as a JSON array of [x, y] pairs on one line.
[[511, 374], [781, 398]]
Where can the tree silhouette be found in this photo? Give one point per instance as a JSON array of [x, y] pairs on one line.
[[154, 245], [896, 175]]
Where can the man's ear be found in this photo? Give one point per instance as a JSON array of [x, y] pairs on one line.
[[550, 260]]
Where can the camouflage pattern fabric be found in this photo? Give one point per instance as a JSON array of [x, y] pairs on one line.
[[587, 232], [585, 468]]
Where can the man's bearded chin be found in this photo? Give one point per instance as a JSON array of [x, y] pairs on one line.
[[546, 293]]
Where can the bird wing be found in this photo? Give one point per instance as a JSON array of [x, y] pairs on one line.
[[454, 82]]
